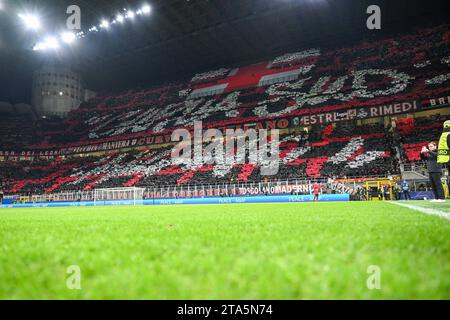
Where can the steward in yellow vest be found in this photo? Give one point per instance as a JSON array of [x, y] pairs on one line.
[[443, 147]]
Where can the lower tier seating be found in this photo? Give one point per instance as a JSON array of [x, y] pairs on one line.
[[344, 151]]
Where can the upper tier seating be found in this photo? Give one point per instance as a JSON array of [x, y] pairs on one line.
[[407, 68], [16, 131]]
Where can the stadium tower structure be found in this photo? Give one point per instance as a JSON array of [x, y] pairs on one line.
[[57, 90]]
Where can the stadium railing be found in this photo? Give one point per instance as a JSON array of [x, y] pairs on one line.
[[287, 186]]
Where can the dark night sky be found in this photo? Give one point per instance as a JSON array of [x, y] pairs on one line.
[[183, 37]]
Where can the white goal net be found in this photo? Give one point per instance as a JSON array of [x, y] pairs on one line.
[[119, 196]]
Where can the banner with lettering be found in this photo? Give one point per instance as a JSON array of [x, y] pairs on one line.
[[280, 123]]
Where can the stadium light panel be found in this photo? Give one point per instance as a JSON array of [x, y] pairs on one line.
[[146, 9], [68, 37], [51, 43], [120, 18], [39, 46], [130, 14], [104, 24], [33, 22], [30, 21]]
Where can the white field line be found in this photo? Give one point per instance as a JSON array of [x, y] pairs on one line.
[[434, 212]]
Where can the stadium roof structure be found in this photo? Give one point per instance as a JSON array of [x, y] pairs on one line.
[[183, 37]]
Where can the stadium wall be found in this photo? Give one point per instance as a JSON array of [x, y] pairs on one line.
[[186, 201]]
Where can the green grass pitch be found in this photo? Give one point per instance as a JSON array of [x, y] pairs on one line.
[[267, 251]]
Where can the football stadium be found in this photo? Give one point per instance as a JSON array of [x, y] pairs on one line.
[[224, 150]]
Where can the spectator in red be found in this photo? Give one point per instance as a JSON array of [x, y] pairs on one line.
[[316, 188]]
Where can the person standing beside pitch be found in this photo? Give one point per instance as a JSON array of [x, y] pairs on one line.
[[406, 190], [316, 190], [443, 150], [443, 146], [430, 154]]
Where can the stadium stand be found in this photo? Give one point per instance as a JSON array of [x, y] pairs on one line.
[[341, 154], [117, 140]]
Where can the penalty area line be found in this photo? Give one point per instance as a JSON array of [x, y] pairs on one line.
[[429, 211]]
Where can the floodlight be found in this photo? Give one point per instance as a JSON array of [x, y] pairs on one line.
[[120, 18], [104, 24], [146, 9], [30, 21], [51, 43], [39, 46], [68, 37]]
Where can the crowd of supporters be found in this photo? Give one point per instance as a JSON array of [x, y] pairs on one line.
[[340, 152], [408, 68]]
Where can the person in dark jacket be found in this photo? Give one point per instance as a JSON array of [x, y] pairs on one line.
[[434, 169], [396, 191], [380, 193], [406, 190], [387, 193]]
